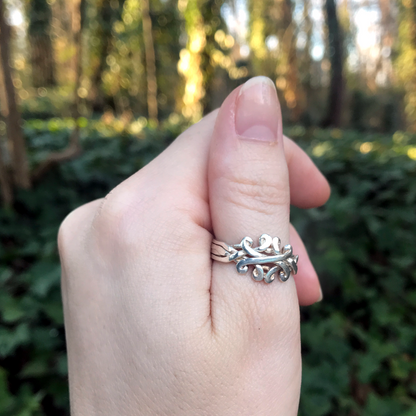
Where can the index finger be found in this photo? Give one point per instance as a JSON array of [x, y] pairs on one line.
[[308, 186]]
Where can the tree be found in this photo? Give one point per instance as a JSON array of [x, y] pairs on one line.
[[167, 28], [257, 34], [40, 43], [189, 64], [387, 38], [273, 19], [305, 61], [210, 13], [20, 165], [73, 149], [405, 64], [335, 49], [6, 187], [102, 50], [149, 49], [103, 36], [288, 63]]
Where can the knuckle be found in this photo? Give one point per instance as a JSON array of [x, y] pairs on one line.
[[262, 195], [127, 214], [64, 237], [116, 216], [111, 207], [126, 225], [71, 231]]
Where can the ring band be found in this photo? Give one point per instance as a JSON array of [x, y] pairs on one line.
[[268, 258]]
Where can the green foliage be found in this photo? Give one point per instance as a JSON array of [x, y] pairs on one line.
[[358, 343], [370, 112], [33, 365]]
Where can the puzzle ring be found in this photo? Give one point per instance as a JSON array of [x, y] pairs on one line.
[[268, 259]]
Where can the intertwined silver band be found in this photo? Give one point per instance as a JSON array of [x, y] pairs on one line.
[[268, 258]]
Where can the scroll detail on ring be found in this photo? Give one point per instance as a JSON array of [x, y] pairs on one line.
[[268, 259]]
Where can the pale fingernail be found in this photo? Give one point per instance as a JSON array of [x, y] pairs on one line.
[[257, 114]]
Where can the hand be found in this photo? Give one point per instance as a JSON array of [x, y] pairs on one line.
[[153, 326]]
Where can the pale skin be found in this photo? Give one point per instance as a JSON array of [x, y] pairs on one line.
[[153, 326]]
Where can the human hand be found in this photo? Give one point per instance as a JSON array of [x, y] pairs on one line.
[[153, 326]]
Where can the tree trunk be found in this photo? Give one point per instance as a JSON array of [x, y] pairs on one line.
[[106, 17], [42, 56], [257, 35], [387, 39], [306, 62], [5, 180], [335, 46], [149, 49], [77, 24], [290, 61], [5, 183], [210, 12], [73, 149], [189, 64], [14, 129], [3, 98], [405, 67]]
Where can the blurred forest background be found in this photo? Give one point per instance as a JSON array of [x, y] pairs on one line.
[[92, 90]]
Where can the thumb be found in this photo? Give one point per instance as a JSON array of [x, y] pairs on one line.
[[249, 196]]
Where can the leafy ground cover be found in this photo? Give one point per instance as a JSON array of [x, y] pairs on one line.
[[359, 343]]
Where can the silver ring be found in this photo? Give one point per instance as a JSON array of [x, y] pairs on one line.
[[268, 258]]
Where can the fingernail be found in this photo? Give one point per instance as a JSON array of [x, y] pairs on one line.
[[257, 113], [321, 296]]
